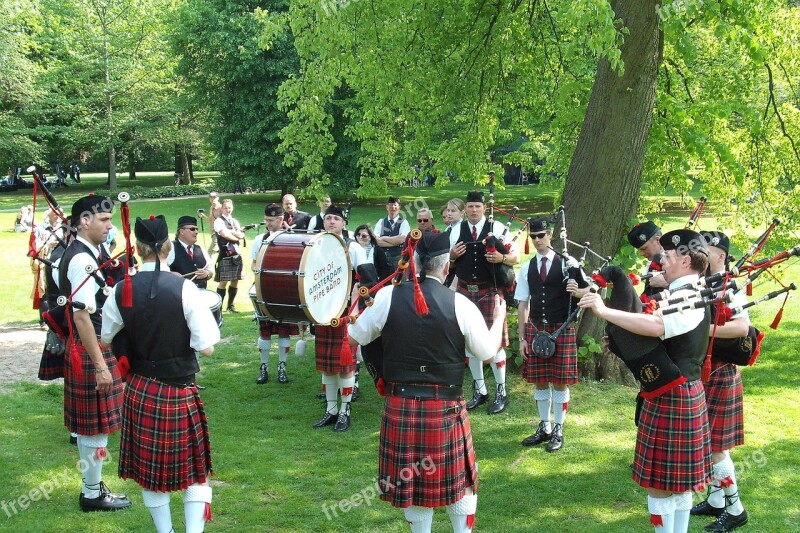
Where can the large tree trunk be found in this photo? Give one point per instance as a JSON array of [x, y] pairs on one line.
[[602, 188]]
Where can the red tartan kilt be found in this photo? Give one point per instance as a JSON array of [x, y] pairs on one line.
[[426, 454], [86, 411], [51, 366], [328, 347], [227, 270], [562, 368], [673, 441], [164, 444], [267, 328], [725, 406], [485, 301]]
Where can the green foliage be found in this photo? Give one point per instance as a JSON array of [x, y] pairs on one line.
[[589, 348], [170, 191]]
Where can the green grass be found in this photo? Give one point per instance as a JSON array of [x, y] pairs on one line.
[[274, 473]]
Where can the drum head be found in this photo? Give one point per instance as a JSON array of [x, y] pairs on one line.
[[325, 285], [211, 299]]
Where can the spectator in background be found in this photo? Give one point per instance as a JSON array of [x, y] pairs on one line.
[[425, 220], [375, 253]]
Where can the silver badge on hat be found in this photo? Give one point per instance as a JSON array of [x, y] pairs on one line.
[[676, 240], [642, 237], [715, 241]]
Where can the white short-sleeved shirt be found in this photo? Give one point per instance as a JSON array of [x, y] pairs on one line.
[[679, 323], [404, 227], [77, 273], [370, 323], [202, 324], [171, 255]]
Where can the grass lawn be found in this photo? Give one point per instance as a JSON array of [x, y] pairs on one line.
[[275, 473]]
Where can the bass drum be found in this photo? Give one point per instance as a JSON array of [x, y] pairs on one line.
[[302, 277]]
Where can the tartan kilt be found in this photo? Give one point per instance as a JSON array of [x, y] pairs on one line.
[[673, 450], [725, 406], [51, 366], [87, 411], [426, 453], [164, 444], [227, 269], [328, 348], [484, 300], [267, 328], [562, 368]]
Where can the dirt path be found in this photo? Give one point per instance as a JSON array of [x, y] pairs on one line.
[[20, 352]]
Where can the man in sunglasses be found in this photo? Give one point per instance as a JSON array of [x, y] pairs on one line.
[[425, 220], [473, 263], [544, 296], [187, 258]]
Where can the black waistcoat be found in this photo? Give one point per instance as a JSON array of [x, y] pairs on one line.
[[423, 349], [688, 351], [158, 331], [65, 287], [221, 241], [182, 264], [549, 299], [388, 231], [472, 266]]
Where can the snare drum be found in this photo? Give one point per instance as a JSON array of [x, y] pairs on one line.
[[214, 302], [302, 277]]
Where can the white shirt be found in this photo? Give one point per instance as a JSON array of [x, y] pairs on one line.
[[497, 230], [312, 224], [679, 323], [202, 324], [404, 227], [171, 255], [77, 273], [358, 255], [523, 290], [370, 323]]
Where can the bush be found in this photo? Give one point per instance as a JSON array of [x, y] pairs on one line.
[[170, 191]]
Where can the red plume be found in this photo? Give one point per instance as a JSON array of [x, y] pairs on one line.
[[635, 280]]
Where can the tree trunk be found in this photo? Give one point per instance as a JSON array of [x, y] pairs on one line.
[[131, 168], [187, 176], [609, 156]]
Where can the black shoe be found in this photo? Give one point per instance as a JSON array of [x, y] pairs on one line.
[[232, 309], [539, 437], [118, 495], [104, 502], [706, 509], [477, 399], [263, 375], [356, 394], [557, 440], [727, 522], [73, 440], [343, 422], [282, 373], [500, 401], [327, 420]]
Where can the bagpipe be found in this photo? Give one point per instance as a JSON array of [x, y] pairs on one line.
[[502, 274]]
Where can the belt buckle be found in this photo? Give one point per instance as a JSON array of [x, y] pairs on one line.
[[472, 288]]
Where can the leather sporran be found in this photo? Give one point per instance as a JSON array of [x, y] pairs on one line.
[[543, 345]]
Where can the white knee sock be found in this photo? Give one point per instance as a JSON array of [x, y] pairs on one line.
[[264, 346], [196, 507], [662, 513], [542, 397], [476, 368], [331, 384], [158, 505], [419, 518], [499, 367], [560, 404], [683, 504], [724, 474], [462, 513], [347, 385], [284, 343], [92, 449]]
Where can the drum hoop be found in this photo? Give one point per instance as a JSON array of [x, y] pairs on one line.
[[302, 279]]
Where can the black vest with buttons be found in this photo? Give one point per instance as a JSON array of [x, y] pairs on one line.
[[550, 301], [388, 231], [161, 348], [423, 349], [472, 266], [182, 264], [65, 287], [688, 351]]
